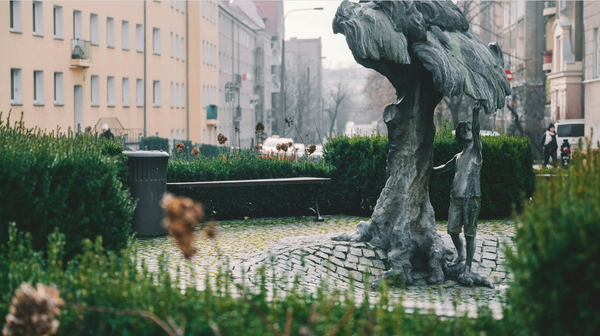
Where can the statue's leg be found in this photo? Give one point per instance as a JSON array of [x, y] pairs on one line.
[[469, 278], [456, 218], [436, 257]]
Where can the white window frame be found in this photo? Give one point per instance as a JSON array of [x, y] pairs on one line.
[[172, 46], [38, 88], [139, 38], [156, 41], [59, 89], [95, 90], [177, 95], [177, 46], [125, 35], [58, 23], [172, 3], [15, 16], [94, 29], [125, 96], [38, 18], [110, 32], [182, 7], [16, 86], [110, 91], [139, 92], [156, 94], [182, 95], [172, 95]]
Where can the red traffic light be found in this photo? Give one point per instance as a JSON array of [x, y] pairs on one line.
[[566, 150]]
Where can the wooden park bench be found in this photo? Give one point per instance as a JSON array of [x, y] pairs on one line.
[[255, 183]]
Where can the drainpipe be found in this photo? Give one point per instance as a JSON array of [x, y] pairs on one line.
[[187, 69], [145, 29]]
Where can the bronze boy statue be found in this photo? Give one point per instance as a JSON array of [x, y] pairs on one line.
[[465, 197]]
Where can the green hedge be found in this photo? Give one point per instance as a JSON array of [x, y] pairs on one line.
[[60, 180], [359, 164], [556, 269], [104, 279], [240, 202]]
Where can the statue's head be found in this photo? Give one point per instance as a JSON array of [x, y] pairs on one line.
[[464, 132]]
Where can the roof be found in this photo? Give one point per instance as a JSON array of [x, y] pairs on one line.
[[271, 10]]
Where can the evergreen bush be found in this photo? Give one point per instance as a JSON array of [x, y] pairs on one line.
[[58, 180], [240, 202], [359, 162], [556, 267]]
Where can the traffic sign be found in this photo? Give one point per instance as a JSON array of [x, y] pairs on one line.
[[509, 75]]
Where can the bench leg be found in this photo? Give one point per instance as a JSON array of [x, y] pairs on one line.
[[318, 217]]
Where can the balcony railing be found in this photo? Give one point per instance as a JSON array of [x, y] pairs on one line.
[[212, 114], [81, 53]]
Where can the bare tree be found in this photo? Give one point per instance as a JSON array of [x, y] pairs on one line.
[[379, 93], [338, 99]]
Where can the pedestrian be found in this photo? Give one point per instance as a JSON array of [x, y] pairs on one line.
[[106, 133], [550, 145]]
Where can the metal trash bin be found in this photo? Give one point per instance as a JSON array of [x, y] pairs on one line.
[[148, 182]]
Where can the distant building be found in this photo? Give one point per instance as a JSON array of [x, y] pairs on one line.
[[244, 71], [303, 86], [591, 82]]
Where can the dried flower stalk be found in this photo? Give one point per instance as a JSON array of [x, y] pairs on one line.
[[221, 138], [195, 152], [32, 311], [180, 147], [311, 149], [182, 216]]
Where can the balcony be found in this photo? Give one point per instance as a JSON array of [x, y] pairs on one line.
[[81, 54], [547, 57], [549, 8], [212, 115]]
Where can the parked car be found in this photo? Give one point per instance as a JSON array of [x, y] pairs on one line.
[[300, 149], [269, 147], [571, 130]]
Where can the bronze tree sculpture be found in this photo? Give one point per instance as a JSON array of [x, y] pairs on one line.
[[427, 51]]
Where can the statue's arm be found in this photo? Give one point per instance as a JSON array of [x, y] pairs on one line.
[[445, 167], [476, 128]]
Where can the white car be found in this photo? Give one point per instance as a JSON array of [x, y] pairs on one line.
[[269, 147], [484, 133], [571, 130], [300, 149]]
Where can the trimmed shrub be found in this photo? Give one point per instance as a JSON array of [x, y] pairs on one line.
[[359, 162], [240, 202], [53, 180], [97, 279], [556, 268]]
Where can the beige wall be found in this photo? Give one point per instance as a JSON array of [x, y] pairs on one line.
[[29, 53], [209, 68]]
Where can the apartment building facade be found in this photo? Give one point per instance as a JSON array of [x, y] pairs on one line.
[[126, 63], [591, 79]]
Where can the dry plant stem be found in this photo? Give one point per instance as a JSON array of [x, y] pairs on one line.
[[432, 326], [132, 312], [341, 322], [259, 312], [288, 322]]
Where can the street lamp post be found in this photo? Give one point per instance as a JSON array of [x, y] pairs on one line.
[[282, 81]]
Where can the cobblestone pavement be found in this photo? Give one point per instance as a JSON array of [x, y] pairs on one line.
[[302, 247]]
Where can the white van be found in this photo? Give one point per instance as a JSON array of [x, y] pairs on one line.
[[571, 130]]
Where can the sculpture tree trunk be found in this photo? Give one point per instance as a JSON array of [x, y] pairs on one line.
[[403, 221]]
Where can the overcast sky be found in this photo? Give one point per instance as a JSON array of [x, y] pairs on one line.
[[314, 24]]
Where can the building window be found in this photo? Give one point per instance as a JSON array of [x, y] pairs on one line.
[[177, 46], [172, 3], [110, 32], [38, 19], [183, 7], [595, 54], [38, 88], [94, 30], [15, 16], [182, 49], [177, 95], [139, 92], [156, 41], [59, 90], [110, 91], [182, 95], [172, 45], [95, 94], [16, 87], [139, 38], [172, 95], [125, 35], [156, 94], [58, 23], [125, 92]]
